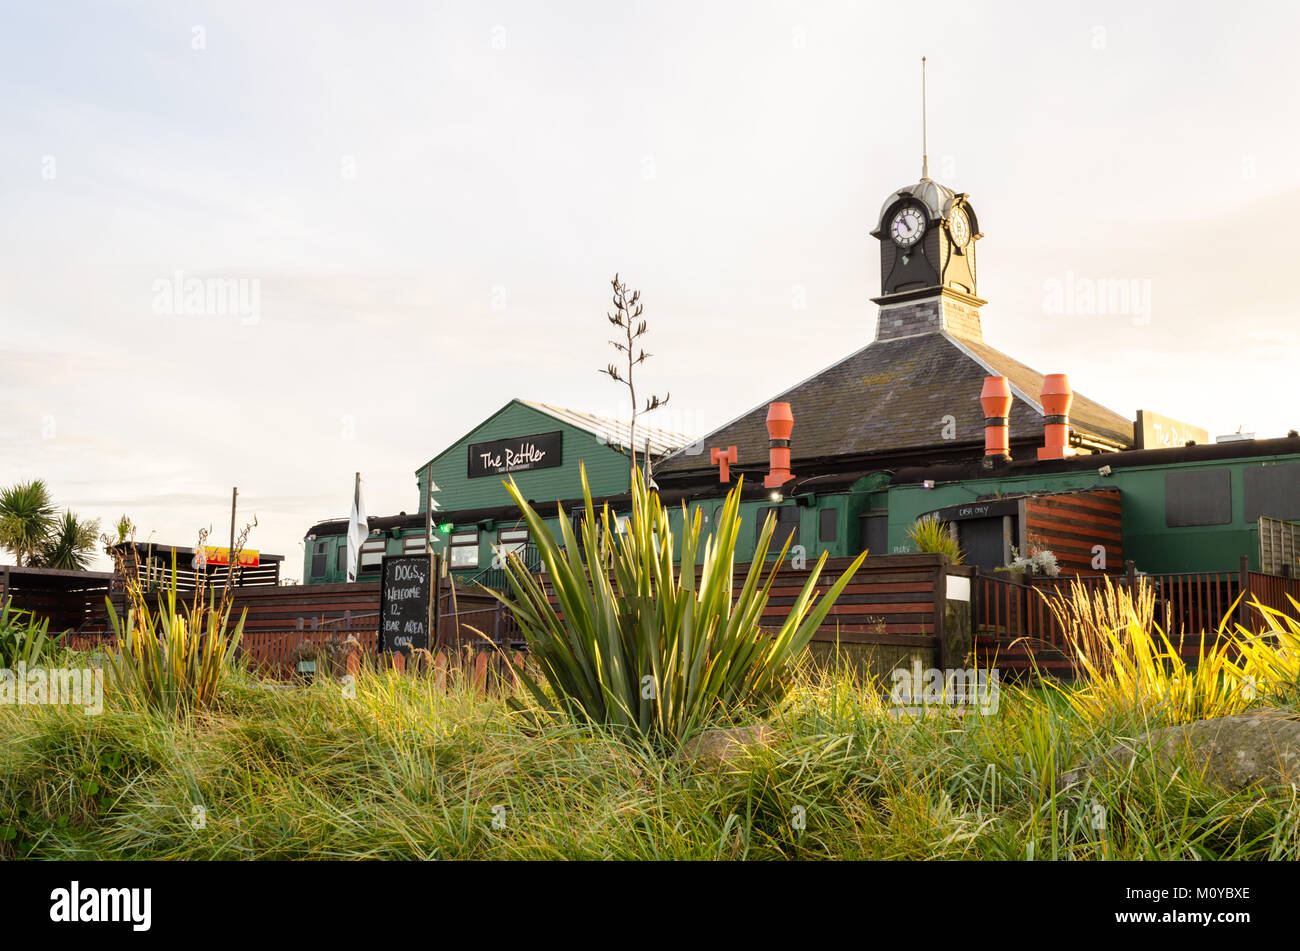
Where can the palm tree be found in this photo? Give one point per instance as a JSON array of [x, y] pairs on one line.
[[27, 517], [70, 543]]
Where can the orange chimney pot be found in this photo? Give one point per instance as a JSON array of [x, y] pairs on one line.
[[1057, 397], [995, 397], [780, 424]]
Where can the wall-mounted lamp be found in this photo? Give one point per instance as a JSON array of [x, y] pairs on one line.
[[776, 495]]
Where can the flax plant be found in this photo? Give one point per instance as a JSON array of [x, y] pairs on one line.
[[175, 659], [23, 638], [633, 643]]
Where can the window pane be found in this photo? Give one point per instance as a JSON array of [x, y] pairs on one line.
[[372, 553], [464, 550], [1273, 491], [317, 566], [1198, 497], [828, 530], [342, 564]]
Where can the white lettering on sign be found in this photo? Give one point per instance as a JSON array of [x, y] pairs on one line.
[[528, 455]]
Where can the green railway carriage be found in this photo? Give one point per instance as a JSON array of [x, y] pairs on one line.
[[1193, 508]]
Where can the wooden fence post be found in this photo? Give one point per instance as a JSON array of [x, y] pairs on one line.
[[1130, 574], [940, 613]]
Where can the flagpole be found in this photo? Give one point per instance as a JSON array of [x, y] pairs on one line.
[[354, 571]]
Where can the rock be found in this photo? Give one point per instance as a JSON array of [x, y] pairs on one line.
[[722, 747], [1257, 748]]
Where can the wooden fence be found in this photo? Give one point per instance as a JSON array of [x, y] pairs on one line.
[[275, 651], [895, 605], [1013, 620]]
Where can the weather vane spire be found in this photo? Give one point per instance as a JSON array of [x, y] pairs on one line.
[[925, 145]]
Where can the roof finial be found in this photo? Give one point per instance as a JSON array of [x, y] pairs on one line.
[[925, 145]]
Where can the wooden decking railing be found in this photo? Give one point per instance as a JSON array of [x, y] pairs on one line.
[[1015, 617]]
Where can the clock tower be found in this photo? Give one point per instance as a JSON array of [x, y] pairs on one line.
[[927, 257], [927, 262]]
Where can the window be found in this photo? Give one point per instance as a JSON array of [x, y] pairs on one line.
[[413, 545], [828, 528], [342, 563], [1198, 497], [318, 560], [787, 524], [510, 540], [1273, 491], [372, 554], [464, 550]]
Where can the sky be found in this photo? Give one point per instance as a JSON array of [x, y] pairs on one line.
[[416, 209]]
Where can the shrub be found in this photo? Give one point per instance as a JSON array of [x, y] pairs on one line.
[[23, 639], [635, 644], [173, 660], [930, 534]]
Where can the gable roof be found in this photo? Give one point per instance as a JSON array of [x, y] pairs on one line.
[[894, 395], [614, 431]]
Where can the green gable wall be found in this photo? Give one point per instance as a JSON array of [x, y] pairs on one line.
[[607, 468]]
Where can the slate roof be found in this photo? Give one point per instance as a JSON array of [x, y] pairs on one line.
[[615, 431], [893, 395]]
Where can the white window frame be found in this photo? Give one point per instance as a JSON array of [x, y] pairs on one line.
[[453, 549]]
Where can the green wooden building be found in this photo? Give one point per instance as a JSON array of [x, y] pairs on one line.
[[541, 447], [893, 431]]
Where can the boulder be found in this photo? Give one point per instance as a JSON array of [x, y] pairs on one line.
[[1256, 748], [723, 747]]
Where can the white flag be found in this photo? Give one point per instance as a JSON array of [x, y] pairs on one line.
[[358, 531]]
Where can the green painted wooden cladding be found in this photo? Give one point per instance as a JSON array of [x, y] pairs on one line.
[[607, 468]]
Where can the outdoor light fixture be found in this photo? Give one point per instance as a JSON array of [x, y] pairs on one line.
[[776, 495], [1104, 471], [928, 484], [445, 528]]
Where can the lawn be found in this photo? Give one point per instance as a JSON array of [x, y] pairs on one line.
[[393, 767]]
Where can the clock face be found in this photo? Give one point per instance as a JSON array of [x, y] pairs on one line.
[[907, 227], [959, 228]]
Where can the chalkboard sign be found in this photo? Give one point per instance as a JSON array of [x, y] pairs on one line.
[[409, 584], [519, 454]]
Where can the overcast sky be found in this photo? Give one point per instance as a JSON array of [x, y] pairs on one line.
[[432, 198]]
